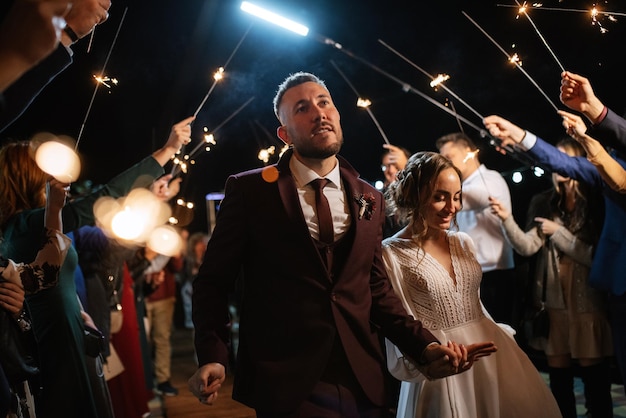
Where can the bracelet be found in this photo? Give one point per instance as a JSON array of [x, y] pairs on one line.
[[23, 321], [70, 32]]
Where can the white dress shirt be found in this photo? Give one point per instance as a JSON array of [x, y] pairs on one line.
[[493, 251], [333, 191]]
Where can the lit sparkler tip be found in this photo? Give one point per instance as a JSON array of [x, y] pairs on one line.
[[264, 154], [438, 80], [105, 80], [209, 139], [361, 102], [470, 155], [515, 59], [219, 74]]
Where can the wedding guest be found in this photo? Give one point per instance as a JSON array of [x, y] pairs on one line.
[[18, 279], [394, 159], [160, 313], [436, 274], [563, 227], [80, 20], [28, 33], [611, 171], [56, 314], [606, 272], [196, 247]]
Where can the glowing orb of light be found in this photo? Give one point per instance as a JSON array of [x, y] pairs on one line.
[[165, 240], [270, 174], [128, 224], [133, 217], [58, 160]]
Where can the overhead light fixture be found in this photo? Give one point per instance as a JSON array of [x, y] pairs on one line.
[[274, 18]]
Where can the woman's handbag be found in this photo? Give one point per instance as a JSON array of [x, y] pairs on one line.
[[537, 324]]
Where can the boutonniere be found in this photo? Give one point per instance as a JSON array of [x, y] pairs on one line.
[[366, 205]]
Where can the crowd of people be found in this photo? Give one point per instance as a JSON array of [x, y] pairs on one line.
[[339, 286]]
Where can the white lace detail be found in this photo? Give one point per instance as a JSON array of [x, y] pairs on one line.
[[429, 289]]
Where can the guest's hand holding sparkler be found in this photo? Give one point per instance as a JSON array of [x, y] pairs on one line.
[[577, 94], [497, 208], [610, 170], [507, 132], [577, 129], [180, 135], [28, 33], [83, 17], [166, 187]]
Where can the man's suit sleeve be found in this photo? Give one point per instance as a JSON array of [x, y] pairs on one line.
[[578, 168], [611, 132], [22, 93], [216, 277]]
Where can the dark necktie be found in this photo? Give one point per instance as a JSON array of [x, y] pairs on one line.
[[324, 218]]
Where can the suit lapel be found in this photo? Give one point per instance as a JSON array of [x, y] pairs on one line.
[[291, 203]]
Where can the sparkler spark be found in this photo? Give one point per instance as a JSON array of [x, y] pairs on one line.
[[407, 87], [365, 104], [594, 13], [470, 155], [93, 96], [523, 10], [515, 59], [512, 60], [438, 80], [265, 154], [105, 80], [219, 74], [360, 102], [208, 138]]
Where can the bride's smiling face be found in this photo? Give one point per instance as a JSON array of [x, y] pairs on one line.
[[445, 200]]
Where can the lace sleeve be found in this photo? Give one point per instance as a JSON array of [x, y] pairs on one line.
[[44, 271]]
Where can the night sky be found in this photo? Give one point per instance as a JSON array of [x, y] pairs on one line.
[[167, 51]]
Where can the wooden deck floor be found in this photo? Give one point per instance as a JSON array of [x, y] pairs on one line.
[[185, 405]]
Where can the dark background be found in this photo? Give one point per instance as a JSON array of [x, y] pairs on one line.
[[167, 51]]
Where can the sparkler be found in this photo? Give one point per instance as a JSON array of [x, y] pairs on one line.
[[265, 154], [407, 87], [219, 74], [438, 81], [91, 36], [365, 104], [522, 10], [451, 103], [105, 80], [95, 91], [511, 59], [594, 12], [209, 138], [471, 155]]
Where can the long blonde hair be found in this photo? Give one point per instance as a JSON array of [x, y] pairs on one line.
[[22, 182]]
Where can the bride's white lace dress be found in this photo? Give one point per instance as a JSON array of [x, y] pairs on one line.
[[503, 385]]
